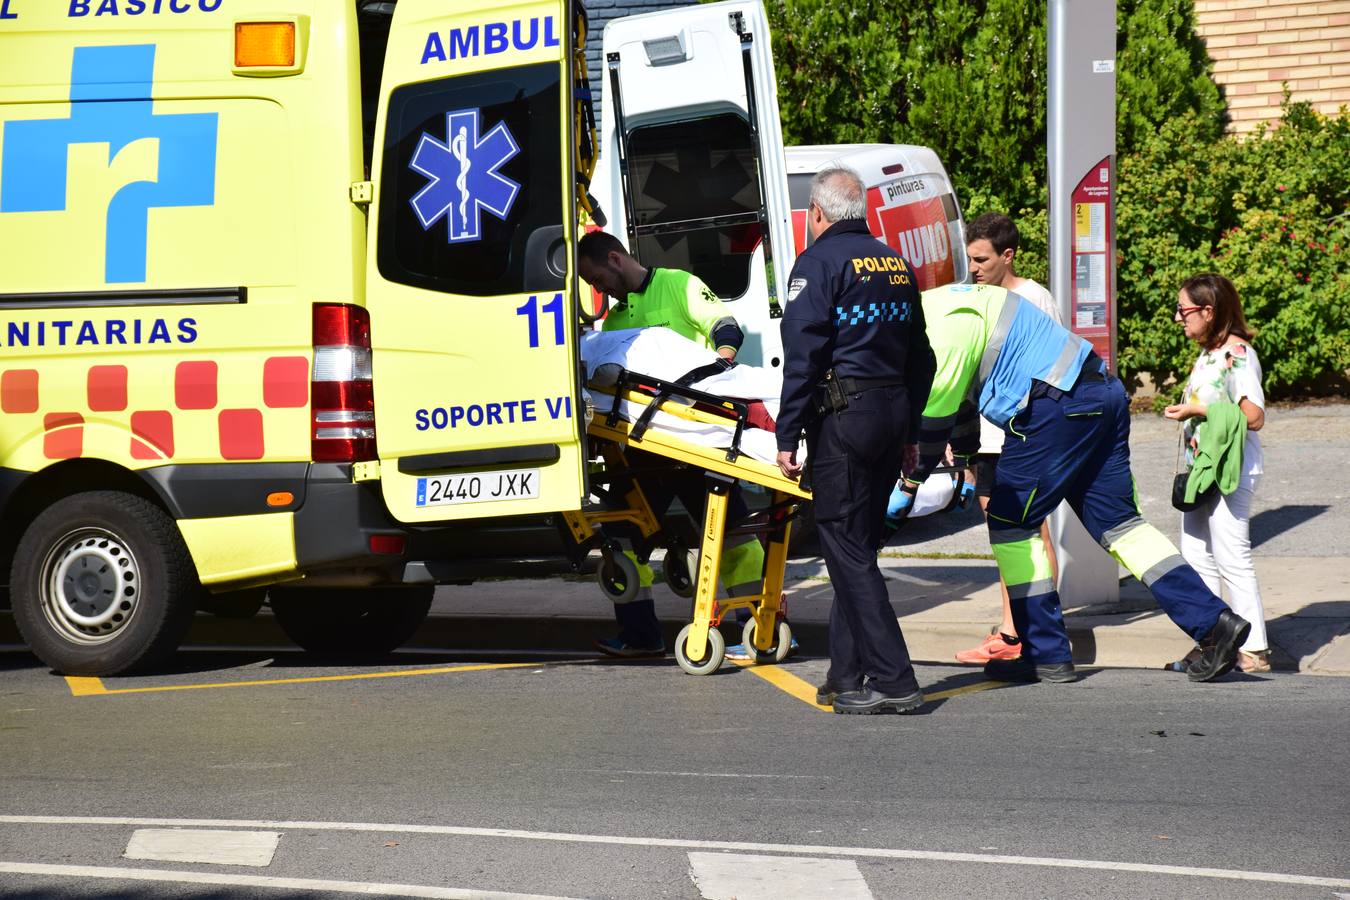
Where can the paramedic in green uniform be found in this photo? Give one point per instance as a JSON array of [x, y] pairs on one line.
[[647, 298]]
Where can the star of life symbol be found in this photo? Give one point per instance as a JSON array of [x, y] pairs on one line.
[[462, 176]]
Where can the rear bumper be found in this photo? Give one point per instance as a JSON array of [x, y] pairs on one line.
[[338, 519], [335, 520]]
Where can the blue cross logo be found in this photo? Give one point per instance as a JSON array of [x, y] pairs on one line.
[[462, 176], [110, 93]]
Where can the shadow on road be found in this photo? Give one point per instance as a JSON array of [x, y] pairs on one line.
[[1271, 523]]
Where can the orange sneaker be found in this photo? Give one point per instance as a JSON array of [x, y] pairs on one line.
[[993, 647]]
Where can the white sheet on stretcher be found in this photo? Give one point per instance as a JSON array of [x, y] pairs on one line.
[[664, 354]]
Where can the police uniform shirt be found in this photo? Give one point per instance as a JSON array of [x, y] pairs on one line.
[[852, 306], [681, 302]]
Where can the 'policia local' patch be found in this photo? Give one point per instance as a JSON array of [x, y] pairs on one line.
[[795, 287]]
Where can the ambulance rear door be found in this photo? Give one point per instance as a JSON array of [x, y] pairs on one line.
[[693, 156], [469, 277]]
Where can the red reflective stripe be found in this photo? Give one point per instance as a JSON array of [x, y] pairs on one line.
[[241, 434], [65, 435], [194, 385], [107, 388], [152, 434], [286, 382], [19, 391]]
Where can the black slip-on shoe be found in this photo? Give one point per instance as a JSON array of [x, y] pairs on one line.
[[1218, 650], [1023, 670], [868, 701]]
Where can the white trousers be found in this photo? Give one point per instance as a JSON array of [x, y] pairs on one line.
[[1216, 541]]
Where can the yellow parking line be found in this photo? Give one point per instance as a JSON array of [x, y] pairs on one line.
[[84, 687], [785, 681], [790, 684], [968, 689]]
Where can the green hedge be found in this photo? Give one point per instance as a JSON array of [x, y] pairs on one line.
[[967, 77], [1270, 211]]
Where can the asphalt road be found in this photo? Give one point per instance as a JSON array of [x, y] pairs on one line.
[[580, 778]]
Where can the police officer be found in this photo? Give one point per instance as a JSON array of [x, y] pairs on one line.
[[646, 298], [856, 377]]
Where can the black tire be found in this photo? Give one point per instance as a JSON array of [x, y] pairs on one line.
[[355, 621], [680, 569], [618, 577], [102, 584], [234, 604]]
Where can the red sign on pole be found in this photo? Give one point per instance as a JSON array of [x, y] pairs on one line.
[[1092, 306]]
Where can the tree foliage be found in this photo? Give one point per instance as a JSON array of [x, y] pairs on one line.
[[967, 78]]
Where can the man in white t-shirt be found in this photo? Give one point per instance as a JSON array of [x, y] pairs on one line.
[[991, 246]]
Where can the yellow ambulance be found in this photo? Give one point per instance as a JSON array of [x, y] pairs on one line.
[[286, 299]]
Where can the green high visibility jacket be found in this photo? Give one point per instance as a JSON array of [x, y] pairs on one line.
[[681, 302]]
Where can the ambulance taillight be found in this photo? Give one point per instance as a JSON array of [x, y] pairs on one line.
[[344, 394]]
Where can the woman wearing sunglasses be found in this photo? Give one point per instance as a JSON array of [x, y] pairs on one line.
[[1215, 536]]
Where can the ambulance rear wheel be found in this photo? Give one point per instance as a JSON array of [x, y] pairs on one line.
[[357, 621], [679, 568], [713, 653], [102, 583], [618, 577]]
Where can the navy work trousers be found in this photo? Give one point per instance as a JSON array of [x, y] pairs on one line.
[[854, 458], [1075, 445]]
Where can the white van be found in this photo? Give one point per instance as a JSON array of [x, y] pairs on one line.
[[910, 203], [693, 173]]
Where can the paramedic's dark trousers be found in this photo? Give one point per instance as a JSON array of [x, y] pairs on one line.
[[1075, 445], [855, 459]]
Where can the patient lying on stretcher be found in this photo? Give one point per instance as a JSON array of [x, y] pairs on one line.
[[667, 356], [663, 354]]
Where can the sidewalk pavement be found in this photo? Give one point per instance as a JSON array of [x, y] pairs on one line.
[[943, 605]]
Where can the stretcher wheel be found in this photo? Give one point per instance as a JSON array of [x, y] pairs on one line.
[[678, 568], [778, 652], [712, 654], [618, 577]]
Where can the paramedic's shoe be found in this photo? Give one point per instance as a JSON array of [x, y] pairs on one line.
[[996, 646], [617, 648], [869, 701], [1219, 648], [1024, 670], [739, 651]]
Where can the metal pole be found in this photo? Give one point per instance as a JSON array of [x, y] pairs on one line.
[[1081, 150]]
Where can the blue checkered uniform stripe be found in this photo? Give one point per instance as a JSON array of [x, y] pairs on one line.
[[868, 313]]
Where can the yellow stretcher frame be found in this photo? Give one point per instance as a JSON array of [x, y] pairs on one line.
[[700, 647]]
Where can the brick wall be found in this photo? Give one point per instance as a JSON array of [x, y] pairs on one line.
[[1258, 45], [598, 13]]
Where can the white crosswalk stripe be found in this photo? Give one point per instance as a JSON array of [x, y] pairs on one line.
[[196, 845], [740, 876]]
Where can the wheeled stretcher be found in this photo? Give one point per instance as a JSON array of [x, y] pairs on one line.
[[624, 417]]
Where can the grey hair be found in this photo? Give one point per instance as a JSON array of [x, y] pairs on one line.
[[838, 193]]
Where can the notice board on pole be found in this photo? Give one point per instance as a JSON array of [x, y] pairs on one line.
[[1092, 303]]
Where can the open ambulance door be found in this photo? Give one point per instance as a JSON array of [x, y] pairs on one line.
[[693, 151], [469, 282]]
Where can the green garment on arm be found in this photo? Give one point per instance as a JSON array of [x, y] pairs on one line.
[[674, 299], [1218, 451]]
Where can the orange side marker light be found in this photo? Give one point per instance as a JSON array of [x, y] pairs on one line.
[[264, 44]]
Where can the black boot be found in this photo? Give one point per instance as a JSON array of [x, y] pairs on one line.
[[869, 700], [1219, 648]]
